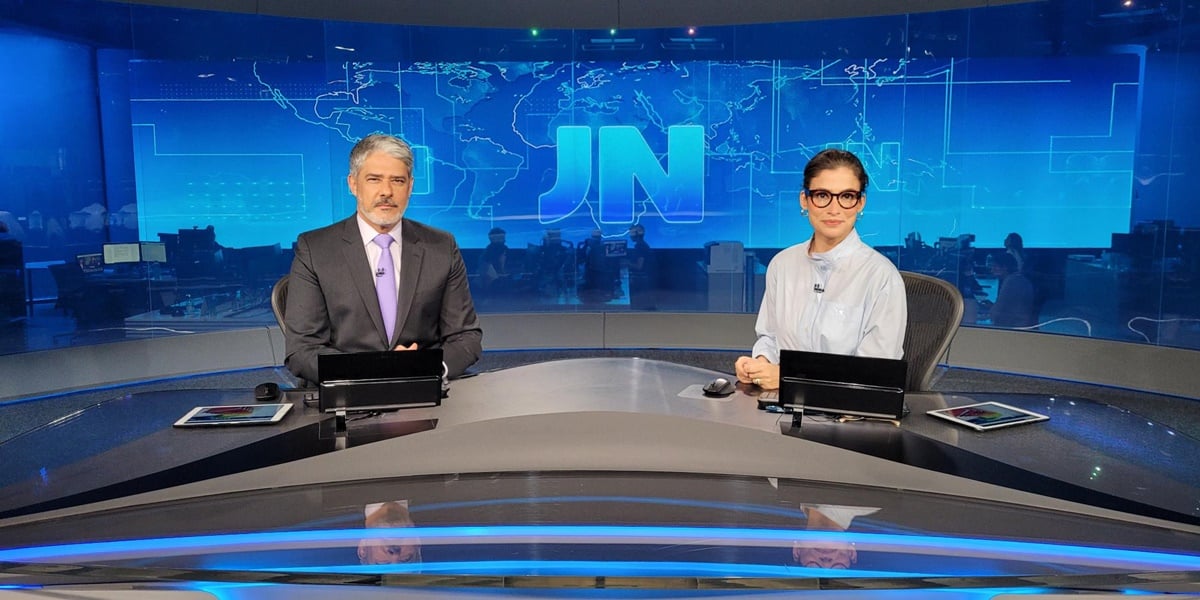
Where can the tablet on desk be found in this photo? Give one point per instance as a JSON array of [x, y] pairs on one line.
[[988, 415], [235, 414]]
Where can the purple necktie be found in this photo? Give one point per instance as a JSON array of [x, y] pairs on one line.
[[385, 284]]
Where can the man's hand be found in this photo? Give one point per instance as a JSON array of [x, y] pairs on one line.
[[739, 368], [399, 347], [758, 371]]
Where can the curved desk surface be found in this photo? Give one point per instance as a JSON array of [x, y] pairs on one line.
[[615, 414]]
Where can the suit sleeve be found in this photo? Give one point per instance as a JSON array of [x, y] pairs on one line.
[[306, 316], [462, 337]]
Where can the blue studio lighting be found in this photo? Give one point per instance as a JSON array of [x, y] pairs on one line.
[[997, 549]]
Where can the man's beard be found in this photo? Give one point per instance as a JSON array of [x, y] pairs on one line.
[[381, 221]]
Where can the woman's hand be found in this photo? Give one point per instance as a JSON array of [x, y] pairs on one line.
[[758, 371]]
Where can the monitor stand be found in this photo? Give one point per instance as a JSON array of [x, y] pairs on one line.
[[877, 437], [339, 430], [799, 412], [347, 432]]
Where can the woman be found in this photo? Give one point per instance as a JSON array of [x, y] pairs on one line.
[[832, 293], [1015, 247]]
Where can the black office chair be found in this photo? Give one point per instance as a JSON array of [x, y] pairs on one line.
[[935, 309], [279, 301], [555, 268], [12, 279], [69, 281]]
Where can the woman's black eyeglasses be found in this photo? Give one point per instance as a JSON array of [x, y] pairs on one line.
[[822, 198]]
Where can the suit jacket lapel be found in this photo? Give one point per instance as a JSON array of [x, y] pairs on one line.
[[360, 273], [411, 257]]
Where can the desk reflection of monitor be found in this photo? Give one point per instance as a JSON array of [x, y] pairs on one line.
[[153, 252], [116, 254], [90, 263], [842, 385]]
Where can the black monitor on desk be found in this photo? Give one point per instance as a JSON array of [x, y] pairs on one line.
[[386, 380], [838, 384]]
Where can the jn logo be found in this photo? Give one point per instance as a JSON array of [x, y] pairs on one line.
[[624, 156]]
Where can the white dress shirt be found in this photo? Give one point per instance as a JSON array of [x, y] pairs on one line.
[[860, 309], [841, 515], [368, 234]]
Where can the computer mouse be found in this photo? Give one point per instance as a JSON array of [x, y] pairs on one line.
[[720, 387], [266, 392]]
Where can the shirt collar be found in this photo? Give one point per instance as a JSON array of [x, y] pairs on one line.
[[840, 251], [368, 233]]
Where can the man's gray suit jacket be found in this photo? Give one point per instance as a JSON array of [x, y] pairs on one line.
[[332, 306]]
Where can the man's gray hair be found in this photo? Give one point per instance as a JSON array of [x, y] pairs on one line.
[[392, 145]]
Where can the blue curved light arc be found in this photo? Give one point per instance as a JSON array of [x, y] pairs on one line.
[[622, 568], [1067, 553]]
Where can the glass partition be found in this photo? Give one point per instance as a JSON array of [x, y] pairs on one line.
[[159, 163]]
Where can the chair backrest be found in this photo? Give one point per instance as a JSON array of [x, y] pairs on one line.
[[68, 278], [279, 301], [935, 309], [12, 256]]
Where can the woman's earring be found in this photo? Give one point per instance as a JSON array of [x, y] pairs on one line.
[[804, 212]]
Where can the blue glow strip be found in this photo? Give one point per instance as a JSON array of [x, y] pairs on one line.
[[274, 540], [589, 568], [239, 591]]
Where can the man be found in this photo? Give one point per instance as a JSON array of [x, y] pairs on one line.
[[642, 271], [389, 550], [493, 263], [333, 304], [833, 553]]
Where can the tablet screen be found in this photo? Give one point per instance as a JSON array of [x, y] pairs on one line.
[[239, 414], [988, 415]]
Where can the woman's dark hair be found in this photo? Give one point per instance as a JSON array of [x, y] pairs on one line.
[[1014, 239], [833, 158]]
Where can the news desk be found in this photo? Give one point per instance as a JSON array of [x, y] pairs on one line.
[[607, 414]]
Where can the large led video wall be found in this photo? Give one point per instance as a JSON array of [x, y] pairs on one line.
[[694, 151]]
